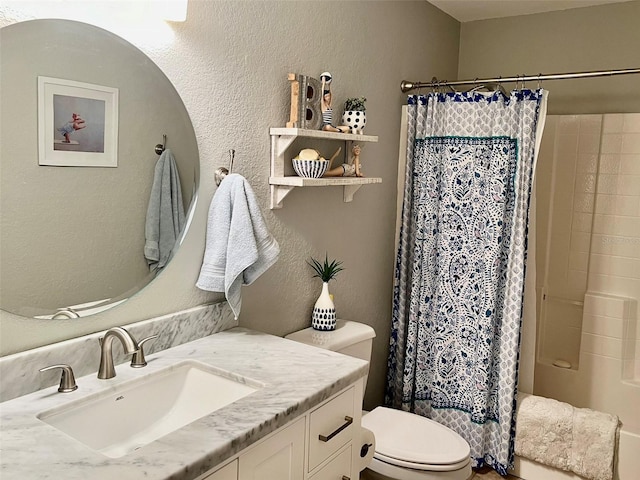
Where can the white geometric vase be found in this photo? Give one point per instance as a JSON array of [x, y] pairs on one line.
[[324, 311]]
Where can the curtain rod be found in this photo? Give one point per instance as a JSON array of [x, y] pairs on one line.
[[406, 85]]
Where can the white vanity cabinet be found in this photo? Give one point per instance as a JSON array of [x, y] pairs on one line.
[[316, 446], [281, 456], [336, 468], [228, 472]]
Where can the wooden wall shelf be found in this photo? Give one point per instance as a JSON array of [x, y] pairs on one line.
[[282, 184]]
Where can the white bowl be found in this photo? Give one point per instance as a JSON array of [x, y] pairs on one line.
[[310, 168]]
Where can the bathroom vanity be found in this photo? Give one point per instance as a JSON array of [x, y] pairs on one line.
[[327, 431], [301, 421]]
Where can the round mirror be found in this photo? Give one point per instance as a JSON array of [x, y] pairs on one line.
[[72, 233]]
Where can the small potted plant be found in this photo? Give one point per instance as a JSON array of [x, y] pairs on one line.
[[324, 311], [355, 104], [355, 115]]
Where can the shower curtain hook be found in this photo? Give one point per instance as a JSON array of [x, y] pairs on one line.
[[433, 84], [500, 87], [539, 81]]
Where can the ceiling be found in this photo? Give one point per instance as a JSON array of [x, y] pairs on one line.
[[469, 10]]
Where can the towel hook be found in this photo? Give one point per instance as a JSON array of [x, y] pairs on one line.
[[161, 146], [222, 172]]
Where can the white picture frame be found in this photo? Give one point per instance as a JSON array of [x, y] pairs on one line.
[[77, 124]]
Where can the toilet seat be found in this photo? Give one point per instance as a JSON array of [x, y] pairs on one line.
[[388, 471], [421, 466], [411, 441]]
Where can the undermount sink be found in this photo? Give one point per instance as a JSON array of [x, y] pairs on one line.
[[133, 414]]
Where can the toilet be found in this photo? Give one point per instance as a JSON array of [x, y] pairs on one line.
[[407, 446]]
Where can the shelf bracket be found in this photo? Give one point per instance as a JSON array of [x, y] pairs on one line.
[[283, 142], [349, 192], [278, 192]]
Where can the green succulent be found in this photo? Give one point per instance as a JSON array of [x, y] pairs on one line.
[[326, 271], [355, 104]]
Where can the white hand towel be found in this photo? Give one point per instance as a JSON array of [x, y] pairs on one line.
[[239, 248], [165, 213]]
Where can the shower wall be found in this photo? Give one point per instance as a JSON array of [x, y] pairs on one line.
[[565, 192], [588, 269]]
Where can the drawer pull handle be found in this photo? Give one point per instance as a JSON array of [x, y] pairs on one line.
[[344, 477], [347, 421]]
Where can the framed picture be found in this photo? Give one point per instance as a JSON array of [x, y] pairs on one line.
[[77, 124]]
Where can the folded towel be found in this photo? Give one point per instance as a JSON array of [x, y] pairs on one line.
[[572, 439], [239, 248], [165, 213]]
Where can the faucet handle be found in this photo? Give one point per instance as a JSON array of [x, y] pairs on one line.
[[67, 380], [138, 360]]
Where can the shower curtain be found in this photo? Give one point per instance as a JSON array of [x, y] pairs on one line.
[[459, 275]]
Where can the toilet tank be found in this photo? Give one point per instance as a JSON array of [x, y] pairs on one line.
[[349, 338]]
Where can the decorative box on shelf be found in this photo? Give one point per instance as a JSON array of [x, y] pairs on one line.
[[282, 184]]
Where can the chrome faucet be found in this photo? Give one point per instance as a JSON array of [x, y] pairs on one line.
[[107, 370]]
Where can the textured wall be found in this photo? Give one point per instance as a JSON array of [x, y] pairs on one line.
[[580, 39], [229, 61]]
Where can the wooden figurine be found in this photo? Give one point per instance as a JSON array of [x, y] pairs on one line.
[[351, 169], [327, 110]]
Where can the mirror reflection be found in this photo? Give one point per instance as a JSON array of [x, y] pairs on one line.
[[74, 236]]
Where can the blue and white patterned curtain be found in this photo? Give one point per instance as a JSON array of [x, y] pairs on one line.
[[459, 275]]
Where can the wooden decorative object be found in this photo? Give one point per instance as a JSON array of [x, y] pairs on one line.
[[306, 96]]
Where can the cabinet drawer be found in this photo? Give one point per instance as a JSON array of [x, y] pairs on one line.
[[228, 472], [330, 427], [337, 469]]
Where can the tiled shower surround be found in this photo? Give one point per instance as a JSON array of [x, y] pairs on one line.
[[588, 269]]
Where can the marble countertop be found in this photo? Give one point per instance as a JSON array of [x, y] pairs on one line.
[[296, 377]]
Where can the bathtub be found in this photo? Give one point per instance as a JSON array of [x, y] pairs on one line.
[[627, 465]]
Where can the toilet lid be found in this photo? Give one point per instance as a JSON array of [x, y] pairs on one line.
[[407, 439]]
